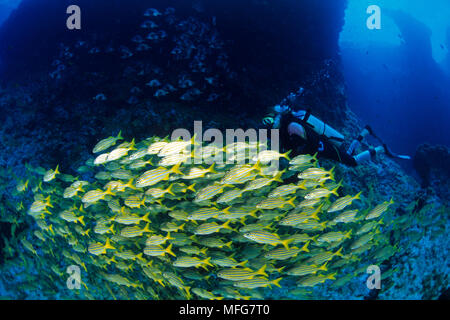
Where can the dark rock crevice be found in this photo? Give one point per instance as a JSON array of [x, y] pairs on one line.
[[273, 47], [432, 163]]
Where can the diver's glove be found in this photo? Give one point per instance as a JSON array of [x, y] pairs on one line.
[[281, 109]]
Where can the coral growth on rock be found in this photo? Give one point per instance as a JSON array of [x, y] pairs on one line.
[[432, 163]]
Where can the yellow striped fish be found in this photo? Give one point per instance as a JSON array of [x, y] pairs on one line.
[[70, 216], [175, 147], [257, 282], [311, 281], [102, 228], [122, 174], [267, 156], [345, 217], [94, 196], [177, 282], [134, 231], [173, 159], [368, 226], [156, 251], [283, 253], [209, 191], [41, 205], [204, 214], [293, 219], [308, 203], [239, 274], [97, 248], [306, 269], [154, 176], [158, 192], [285, 190], [135, 201], [186, 262], [334, 236], [265, 237], [214, 242], [228, 262], [157, 239], [140, 164], [193, 250], [315, 173], [72, 191], [322, 193], [274, 203], [303, 159], [202, 293], [155, 147], [262, 182], [343, 202], [311, 225], [240, 174], [128, 255], [120, 152], [119, 186], [233, 213], [323, 257], [51, 174], [211, 227], [230, 196], [28, 246], [129, 219], [106, 143], [199, 172], [379, 209]]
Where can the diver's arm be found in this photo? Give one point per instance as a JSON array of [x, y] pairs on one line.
[[276, 121]]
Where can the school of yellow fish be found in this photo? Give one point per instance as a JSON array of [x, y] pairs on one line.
[[153, 224]]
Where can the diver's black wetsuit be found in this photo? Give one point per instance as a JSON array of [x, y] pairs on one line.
[[314, 142]]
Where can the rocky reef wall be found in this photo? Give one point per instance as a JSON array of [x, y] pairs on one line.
[[267, 34], [432, 163]]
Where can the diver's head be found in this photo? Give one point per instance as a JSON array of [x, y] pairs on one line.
[[273, 119]]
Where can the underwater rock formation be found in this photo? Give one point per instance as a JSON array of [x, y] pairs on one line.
[[269, 48], [94, 76], [432, 163], [264, 30]]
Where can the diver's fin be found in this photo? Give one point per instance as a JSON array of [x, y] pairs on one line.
[[393, 155], [369, 128]]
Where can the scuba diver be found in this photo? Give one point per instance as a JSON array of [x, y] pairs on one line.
[[303, 133]]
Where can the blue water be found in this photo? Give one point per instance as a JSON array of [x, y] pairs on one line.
[[398, 78], [6, 6]]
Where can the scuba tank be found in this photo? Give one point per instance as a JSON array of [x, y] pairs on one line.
[[319, 127]]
